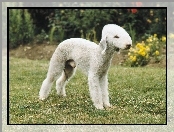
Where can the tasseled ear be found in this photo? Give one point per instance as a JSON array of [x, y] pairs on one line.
[[103, 44]]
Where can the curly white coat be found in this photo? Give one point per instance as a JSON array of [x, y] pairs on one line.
[[91, 58]]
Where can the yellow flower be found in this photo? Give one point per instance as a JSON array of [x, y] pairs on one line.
[[150, 45], [129, 54], [156, 20], [149, 39], [131, 49], [140, 45], [156, 52], [142, 53], [155, 35], [147, 48], [163, 39], [155, 39], [147, 56], [149, 21], [133, 58]]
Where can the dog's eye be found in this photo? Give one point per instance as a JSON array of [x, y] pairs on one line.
[[116, 36]]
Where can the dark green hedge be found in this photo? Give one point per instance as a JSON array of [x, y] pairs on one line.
[[72, 21], [61, 24]]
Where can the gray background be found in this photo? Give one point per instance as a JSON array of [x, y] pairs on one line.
[[88, 128]]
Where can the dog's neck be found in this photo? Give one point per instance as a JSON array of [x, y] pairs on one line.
[[109, 53], [110, 50]]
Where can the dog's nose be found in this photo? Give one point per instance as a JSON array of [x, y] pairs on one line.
[[128, 46]]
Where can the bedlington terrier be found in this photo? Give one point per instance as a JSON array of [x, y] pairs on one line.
[[92, 59]]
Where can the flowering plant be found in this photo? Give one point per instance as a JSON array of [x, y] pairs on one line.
[[143, 52], [139, 55]]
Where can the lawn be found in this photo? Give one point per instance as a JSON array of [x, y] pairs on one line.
[[138, 96]]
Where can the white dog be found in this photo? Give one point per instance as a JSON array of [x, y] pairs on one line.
[[92, 59]]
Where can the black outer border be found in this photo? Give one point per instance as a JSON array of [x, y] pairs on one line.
[[8, 67]]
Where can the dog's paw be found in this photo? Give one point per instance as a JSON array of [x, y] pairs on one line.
[[100, 107], [108, 106], [62, 95], [42, 98]]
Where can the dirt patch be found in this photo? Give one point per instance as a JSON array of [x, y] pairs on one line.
[[34, 51], [45, 51]]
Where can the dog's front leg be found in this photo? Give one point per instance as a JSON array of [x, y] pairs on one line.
[[104, 88], [95, 90]]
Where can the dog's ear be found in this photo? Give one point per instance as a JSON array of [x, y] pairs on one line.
[[103, 44]]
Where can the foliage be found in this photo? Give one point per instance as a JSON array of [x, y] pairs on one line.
[[157, 20], [132, 33], [145, 103], [90, 35], [77, 22], [40, 18], [147, 50], [21, 29], [61, 24], [153, 21], [70, 23], [41, 37]]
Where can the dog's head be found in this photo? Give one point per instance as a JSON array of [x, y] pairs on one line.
[[115, 36]]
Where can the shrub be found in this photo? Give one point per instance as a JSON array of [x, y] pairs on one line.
[[90, 35], [139, 55], [62, 24], [68, 23], [41, 37], [21, 29], [143, 52]]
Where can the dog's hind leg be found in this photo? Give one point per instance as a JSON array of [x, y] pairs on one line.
[[54, 71], [64, 78]]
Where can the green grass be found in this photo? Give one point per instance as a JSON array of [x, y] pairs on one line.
[[138, 96]]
